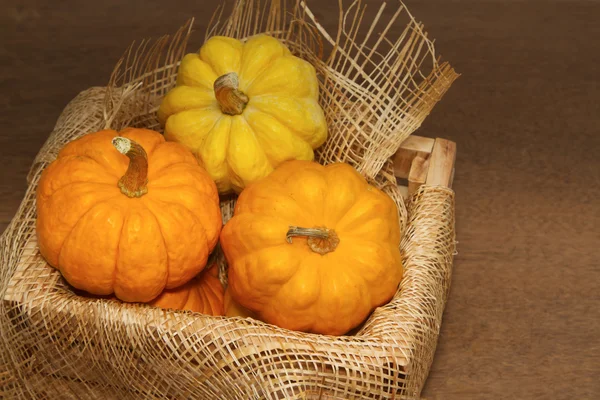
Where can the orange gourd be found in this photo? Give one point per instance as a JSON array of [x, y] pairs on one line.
[[233, 309], [313, 248], [203, 294], [127, 214]]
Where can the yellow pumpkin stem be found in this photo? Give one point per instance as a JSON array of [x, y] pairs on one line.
[[133, 183], [320, 240], [231, 100]]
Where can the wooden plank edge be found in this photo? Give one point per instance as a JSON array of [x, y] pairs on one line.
[[418, 173], [441, 163], [412, 147]]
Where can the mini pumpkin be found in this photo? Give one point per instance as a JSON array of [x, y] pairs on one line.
[[233, 309], [127, 213], [243, 108], [313, 248], [203, 294]]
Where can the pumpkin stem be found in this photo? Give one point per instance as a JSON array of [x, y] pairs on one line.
[[133, 183], [231, 100], [320, 239]]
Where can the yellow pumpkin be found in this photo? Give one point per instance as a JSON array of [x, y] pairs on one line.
[[127, 213], [203, 294], [313, 248], [243, 108]]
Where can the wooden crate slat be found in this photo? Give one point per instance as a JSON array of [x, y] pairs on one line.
[[418, 173], [441, 163], [412, 147], [421, 160]]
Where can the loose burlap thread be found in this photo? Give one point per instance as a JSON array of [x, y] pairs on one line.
[[375, 92]]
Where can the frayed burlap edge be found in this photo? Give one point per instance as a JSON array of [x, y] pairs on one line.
[[58, 345]]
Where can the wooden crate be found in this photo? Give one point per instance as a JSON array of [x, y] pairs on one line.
[[418, 161], [423, 160]]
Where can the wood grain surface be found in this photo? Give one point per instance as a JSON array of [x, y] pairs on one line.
[[523, 317]]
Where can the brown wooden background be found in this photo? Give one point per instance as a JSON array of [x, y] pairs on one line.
[[523, 318]]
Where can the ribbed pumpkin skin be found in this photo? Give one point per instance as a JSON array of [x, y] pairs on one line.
[[281, 121], [290, 285], [104, 242], [203, 294]]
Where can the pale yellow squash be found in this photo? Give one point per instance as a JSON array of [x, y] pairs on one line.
[[243, 108]]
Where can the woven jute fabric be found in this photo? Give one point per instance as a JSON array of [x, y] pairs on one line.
[[375, 90]]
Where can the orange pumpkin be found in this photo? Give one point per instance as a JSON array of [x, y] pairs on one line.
[[203, 294], [127, 213], [233, 309], [313, 248]]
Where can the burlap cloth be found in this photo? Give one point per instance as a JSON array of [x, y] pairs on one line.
[[375, 90]]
